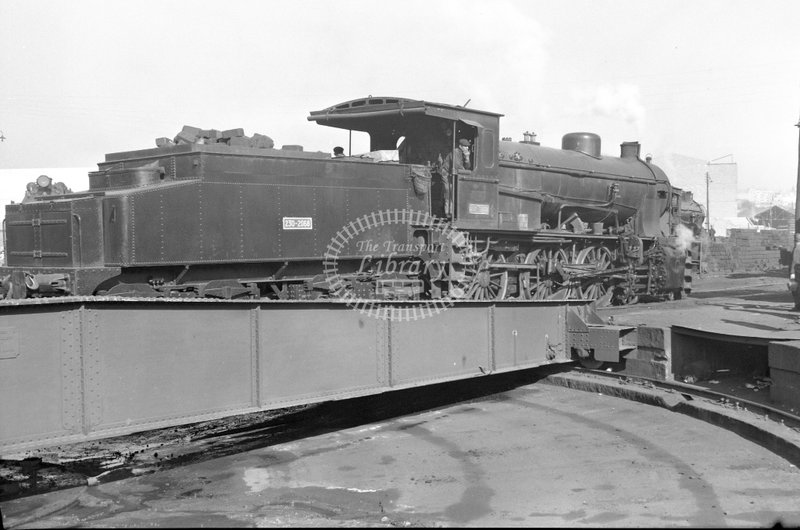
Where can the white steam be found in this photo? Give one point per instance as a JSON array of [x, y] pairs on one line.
[[620, 102], [684, 237]]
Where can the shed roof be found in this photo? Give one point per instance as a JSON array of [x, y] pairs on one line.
[[775, 212]]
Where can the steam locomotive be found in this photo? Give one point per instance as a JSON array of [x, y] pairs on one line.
[[219, 214]]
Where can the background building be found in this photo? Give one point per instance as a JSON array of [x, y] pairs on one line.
[[776, 217]]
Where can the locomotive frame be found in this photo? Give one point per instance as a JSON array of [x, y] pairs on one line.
[[225, 221]]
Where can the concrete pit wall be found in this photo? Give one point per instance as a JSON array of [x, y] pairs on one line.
[[652, 356], [784, 370]]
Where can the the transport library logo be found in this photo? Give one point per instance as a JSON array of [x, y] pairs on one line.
[[396, 271]]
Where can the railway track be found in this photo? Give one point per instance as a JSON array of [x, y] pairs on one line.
[[693, 392], [774, 429]]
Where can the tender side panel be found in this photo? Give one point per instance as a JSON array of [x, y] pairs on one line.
[[221, 222], [87, 239]]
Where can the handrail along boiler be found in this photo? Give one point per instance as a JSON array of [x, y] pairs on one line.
[[225, 219]]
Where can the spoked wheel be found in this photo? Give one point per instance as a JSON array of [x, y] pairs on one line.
[[600, 259], [566, 288], [549, 279], [484, 282]]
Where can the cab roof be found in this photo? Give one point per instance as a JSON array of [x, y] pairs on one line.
[[359, 114]]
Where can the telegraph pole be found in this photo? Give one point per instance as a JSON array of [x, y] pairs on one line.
[[797, 189], [793, 287], [708, 202]]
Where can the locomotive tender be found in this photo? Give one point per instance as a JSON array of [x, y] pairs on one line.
[[218, 218]]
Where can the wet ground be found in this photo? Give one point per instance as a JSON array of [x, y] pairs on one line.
[[538, 455]]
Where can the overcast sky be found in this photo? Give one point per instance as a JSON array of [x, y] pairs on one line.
[[701, 78]]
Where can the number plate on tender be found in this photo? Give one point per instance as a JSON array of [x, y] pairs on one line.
[[298, 223]]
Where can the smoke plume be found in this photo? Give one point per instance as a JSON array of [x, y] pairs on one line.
[[684, 237]]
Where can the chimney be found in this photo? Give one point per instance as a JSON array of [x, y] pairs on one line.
[[629, 150]]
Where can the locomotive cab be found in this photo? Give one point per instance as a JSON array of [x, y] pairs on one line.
[[424, 134]]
